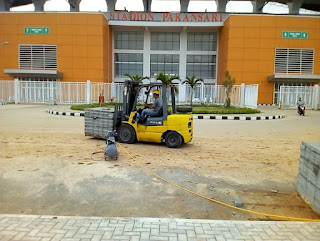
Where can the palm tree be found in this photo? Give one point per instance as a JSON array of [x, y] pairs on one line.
[[166, 79], [193, 83], [136, 77]]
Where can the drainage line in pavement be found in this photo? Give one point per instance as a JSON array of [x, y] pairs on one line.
[[213, 200]]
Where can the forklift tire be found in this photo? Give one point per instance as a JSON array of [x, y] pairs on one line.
[[126, 134], [173, 140]]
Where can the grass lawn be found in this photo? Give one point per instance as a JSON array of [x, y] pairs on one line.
[[220, 109], [84, 106], [197, 109]]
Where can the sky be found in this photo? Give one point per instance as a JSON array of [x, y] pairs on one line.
[[161, 6]]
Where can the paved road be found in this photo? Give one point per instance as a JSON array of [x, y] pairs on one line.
[[33, 227]]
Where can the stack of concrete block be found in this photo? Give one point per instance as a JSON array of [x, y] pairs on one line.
[[308, 184], [98, 121]]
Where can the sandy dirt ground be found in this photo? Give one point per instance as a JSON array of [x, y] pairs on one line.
[[46, 167]]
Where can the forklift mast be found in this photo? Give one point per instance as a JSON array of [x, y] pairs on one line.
[[130, 96]]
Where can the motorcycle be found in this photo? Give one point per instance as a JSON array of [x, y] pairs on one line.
[[301, 109]]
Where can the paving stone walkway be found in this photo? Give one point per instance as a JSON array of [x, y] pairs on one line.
[[34, 227]]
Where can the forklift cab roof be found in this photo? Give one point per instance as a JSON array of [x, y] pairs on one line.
[[130, 97]]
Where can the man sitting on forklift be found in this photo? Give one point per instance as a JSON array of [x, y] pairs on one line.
[[152, 110]]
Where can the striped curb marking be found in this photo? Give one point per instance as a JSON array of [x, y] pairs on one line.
[[267, 105], [65, 113], [5, 103], [199, 117]]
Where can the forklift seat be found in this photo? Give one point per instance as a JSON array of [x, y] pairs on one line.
[[154, 120]]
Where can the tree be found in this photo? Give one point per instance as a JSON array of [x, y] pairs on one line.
[[193, 83], [136, 77], [166, 79], [228, 84]]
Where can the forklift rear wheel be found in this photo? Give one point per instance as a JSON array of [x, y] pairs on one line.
[[126, 134], [173, 140]]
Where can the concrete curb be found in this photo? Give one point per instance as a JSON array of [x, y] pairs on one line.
[[146, 219], [242, 118], [199, 117]]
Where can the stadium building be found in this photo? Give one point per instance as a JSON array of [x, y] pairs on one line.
[[256, 48]]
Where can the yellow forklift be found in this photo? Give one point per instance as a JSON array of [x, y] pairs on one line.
[[174, 129]]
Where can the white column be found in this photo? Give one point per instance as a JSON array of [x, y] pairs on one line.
[[202, 100], [242, 95], [88, 92], [52, 92], [113, 90], [182, 65], [316, 97], [182, 93], [146, 53], [16, 91]]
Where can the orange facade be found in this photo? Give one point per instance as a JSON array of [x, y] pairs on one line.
[[83, 43], [247, 47]]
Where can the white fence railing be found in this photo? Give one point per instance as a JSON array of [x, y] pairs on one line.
[[6, 91], [251, 96], [87, 92], [71, 92], [289, 95]]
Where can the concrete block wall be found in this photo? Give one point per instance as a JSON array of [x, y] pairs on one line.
[[308, 184]]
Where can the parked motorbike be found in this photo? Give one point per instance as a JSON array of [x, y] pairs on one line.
[[301, 109]]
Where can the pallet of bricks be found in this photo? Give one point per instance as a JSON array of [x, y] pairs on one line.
[[98, 121], [308, 184]]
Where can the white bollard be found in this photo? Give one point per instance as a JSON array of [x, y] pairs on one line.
[[316, 97], [242, 95], [88, 92], [182, 93], [16, 91]]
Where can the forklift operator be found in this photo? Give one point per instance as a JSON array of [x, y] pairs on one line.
[[153, 110]]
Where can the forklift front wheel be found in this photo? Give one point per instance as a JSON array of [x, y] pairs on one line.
[[173, 140], [126, 134]]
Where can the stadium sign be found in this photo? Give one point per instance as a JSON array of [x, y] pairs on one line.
[[165, 17]]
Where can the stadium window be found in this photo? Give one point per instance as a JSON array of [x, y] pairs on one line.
[[126, 63]]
